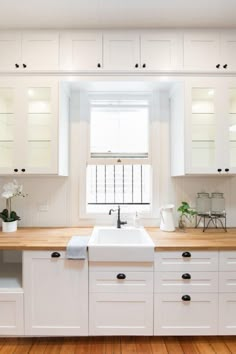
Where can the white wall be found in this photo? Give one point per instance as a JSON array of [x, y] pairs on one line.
[[61, 194]]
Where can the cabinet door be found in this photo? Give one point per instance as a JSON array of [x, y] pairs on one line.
[[41, 126], [201, 50], [121, 51], [161, 50], [203, 134], [40, 50], [228, 50], [80, 50], [56, 294], [227, 314], [10, 49], [11, 310], [174, 316], [120, 314]]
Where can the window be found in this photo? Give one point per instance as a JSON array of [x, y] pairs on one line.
[[119, 167]]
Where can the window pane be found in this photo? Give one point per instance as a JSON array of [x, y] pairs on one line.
[[119, 130]]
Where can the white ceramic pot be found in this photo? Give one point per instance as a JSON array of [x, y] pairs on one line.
[[9, 226]]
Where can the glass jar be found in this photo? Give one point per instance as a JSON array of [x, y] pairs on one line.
[[203, 203], [217, 203]]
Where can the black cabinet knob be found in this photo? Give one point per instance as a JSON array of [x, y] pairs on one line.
[[186, 276], [24, 66], [218, 66], [23, 170], [186, 254], [144, 65], [225, 66], [17, 65], [219, 170], [121, 276], [226, 169], [136, 65], [55, 255], [186, 298], [99, 65], [15, 169]]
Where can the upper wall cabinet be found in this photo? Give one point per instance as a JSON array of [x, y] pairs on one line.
[[81, 50], [210, 50], [33, 127], [29, 51], [203, 127]]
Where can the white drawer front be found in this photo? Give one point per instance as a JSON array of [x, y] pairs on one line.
[[227, 314], [178, 282], [117, 282], [227, 261], [121, 314], [227, 282], [121, 266], [186, 261], [11, 314], [173, 316]]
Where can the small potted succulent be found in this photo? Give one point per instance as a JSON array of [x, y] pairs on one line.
[[8, 216], [186, 212]]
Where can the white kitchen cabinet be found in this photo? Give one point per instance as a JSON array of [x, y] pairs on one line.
[[29, 51], [185, 314], [204, 127], [34, 125], [81, 50], [56, 294], [161, 50], [120, 298], [186, 293], [210, 50]]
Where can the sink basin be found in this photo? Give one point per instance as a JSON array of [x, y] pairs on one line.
[[129, 244]]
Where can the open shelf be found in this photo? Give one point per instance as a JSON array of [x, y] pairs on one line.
[[10, 271]]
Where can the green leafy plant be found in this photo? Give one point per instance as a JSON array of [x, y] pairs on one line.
[[185, 212], [11, 190]]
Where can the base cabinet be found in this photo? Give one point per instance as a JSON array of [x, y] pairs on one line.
[[56, 294], [176, 316], [227, 314], [11, 314]]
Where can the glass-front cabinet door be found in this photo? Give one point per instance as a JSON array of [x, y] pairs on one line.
[[230, 128], [41, 128], [202, 127]]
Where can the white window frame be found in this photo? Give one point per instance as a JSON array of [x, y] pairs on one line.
[[153, 156]]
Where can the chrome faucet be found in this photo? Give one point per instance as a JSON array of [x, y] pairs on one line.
[[119, 222]]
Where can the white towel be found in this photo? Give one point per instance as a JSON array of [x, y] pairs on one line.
[[77, 247]]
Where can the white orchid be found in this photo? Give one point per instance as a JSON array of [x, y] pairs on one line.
[[11, 190]]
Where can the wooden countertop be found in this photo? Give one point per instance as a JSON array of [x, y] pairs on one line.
[[57, 239]]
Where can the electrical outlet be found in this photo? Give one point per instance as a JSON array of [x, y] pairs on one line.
[[43, 207]]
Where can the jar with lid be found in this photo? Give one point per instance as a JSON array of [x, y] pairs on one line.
[[217, 203], [203, 203]]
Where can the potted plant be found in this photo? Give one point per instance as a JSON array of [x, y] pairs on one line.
[[8, 216], [186, 212]]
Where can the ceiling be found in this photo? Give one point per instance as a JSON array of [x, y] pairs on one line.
[[61, 14]]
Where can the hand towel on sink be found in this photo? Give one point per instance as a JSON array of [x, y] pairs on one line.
[[77, 247]]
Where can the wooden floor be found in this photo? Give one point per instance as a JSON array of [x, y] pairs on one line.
[[120, 345]]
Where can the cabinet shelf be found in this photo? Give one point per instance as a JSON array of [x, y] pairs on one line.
[[10, 276]]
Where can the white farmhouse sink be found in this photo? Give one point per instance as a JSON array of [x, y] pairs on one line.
[[128, 244]]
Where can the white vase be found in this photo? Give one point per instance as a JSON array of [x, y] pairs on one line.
[[9, 226]]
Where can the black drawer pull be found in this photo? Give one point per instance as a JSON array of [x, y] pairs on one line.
[[24, 66], [136, 65], [186, 254], [218, 66], [99, 65], [219, 170], [15, 169], [186, 276], [17, 65], [55, 255], [186, 298], [121, 276], [226, 169]]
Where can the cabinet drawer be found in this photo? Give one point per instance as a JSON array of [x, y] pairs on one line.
[[173, 316], [121, 314], [227, 282], [186, 261], [117, 282], [196, 282], [11, 314], [227, 261], [227, 314]]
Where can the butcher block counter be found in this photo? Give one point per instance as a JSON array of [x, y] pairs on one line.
[[57, 238]]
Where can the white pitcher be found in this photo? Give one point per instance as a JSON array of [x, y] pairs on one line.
[[167, 218]]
